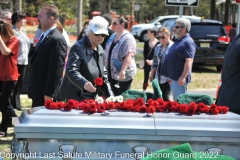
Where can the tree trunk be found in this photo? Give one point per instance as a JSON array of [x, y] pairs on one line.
[[212, 10], [227, 5], [102, 7]]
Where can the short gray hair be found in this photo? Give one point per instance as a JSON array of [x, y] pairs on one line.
[[184, 22], [4, 13]]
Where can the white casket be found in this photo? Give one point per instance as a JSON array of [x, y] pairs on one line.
[[42, 133]]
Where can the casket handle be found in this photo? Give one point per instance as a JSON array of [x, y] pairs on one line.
[[67, 149], [140, 151], [215, 150]]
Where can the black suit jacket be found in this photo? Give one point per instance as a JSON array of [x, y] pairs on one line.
[[46, 65]]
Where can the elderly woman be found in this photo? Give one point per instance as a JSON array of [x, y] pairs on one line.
[[85, 64], [18, 21], [9, 45], [119, 53], [160, 53]]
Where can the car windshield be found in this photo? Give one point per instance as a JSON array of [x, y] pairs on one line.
[[203, 31], [153, 20]]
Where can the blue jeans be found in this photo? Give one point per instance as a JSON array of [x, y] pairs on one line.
[[177, 89]]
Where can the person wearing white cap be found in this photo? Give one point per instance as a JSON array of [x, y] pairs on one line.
[[86, 64]]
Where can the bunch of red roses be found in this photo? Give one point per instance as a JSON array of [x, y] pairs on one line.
[[91, 106]]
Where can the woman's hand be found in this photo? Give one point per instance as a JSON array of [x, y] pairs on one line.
[[149, 62], [89, 87], [121, 75]]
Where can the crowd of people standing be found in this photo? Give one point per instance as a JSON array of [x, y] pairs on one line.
[[104, 49]]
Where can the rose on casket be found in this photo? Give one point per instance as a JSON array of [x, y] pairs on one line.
[[100, 105]]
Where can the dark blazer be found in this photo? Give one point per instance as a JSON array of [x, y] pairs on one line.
[[46, 65], [84, 65]]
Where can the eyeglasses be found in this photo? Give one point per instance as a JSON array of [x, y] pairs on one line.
[[178, 27], [103, 35], [162, 37]]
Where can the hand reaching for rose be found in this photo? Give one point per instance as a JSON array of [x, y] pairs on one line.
[[89, 87]]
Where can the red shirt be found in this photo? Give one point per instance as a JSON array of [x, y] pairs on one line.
[[8, 63]]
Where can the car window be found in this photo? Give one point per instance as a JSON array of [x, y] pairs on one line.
[[169, 24], [206, 30]]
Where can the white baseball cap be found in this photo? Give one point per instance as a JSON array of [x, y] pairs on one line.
[[99, 25]]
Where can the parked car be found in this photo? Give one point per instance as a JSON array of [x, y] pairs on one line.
[[211, 39], [139, 31]]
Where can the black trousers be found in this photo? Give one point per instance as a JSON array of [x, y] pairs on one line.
[[123, 86], [6, 90], [17, 90], [147, 70], [166, 91]]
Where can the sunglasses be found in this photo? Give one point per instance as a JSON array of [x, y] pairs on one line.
[[103, 35], [114, 23], [162, 37], [178, 27]]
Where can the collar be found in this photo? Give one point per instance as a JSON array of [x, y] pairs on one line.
[[48, 31], [89, 47], [186, 35]]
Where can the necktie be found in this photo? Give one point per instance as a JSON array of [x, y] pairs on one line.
[[40, 40]]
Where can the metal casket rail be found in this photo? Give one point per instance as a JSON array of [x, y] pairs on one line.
[[41, 133]]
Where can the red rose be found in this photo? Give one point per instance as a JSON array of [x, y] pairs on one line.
[[220, 108], [47, 103], [101, 108], [225, 109], [160, 101], [89, 101], [192, 108], [93, 108], [136, 108], [53, 106], [213, 106], [202, 108], [98, 81], [161, 105], [183, 108], [149, 101], [143, 109], [67, 107], [122, 105], [139, 101], [172, 106], [60, 105], [215, 111], [81, 104], [129, 106], [151, 109], [85, 107], [73, 103], [118, 105], [190, 111], [110, 105]]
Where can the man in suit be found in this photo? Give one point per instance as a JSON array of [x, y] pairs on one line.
[[46, 63]]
